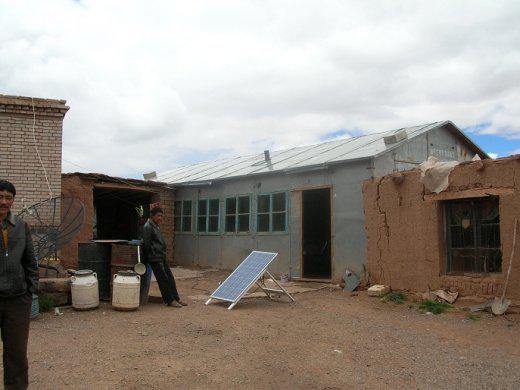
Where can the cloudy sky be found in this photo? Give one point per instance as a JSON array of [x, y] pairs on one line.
[[156, 84]]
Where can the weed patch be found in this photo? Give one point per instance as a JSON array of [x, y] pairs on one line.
[[434, 306], [46, 303], [395, 297]]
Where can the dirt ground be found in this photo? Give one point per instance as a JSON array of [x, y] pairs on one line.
[[328, 339]]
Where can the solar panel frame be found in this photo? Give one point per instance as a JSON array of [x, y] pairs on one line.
[[252, 278]]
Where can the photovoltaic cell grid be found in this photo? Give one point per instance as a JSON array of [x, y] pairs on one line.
[[244, 276]]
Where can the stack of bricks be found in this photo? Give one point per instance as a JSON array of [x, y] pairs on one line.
[[19, 161]]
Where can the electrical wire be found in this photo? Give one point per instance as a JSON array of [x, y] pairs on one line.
[[38, 152]]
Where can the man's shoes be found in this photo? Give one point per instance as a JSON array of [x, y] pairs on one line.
[[182, 303], [174, 304]]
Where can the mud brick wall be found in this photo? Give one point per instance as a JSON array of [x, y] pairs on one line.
[[19, 161], [406, 246], [82, 186]]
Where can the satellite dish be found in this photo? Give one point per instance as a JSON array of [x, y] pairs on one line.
[[54, 223]]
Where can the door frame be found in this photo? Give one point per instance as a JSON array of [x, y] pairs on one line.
[[302, 263]]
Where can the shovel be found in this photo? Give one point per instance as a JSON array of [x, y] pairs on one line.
[[139, 268], [500, 305]]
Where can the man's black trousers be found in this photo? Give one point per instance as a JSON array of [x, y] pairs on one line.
[[14, 322], [165, 280]]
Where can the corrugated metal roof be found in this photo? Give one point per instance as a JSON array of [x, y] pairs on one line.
[[299, 158]]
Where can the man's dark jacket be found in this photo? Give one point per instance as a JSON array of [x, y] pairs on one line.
[[154, 246], [18, 267]]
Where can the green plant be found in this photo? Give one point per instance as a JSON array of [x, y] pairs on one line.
[[394, 296], [434, 306], [46, 302], [473, 317]]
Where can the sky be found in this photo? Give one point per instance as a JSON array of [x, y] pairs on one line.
[[152, 85]]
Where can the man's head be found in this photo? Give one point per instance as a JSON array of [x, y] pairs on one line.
[[7, 194], [156, 214]]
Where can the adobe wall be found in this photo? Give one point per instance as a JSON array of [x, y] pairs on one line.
[[405, 228], [82, 188], [19, 161]]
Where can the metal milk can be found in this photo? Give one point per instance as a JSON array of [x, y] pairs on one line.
[[84, 290], [126, 290]]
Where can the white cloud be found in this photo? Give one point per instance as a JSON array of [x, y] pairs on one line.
[[493, 155], [154, 84]]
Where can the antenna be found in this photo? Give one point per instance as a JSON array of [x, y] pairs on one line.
[[54, 223]]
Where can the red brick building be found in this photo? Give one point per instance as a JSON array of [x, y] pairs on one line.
[[115, 208]]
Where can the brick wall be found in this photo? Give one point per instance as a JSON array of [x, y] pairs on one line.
[[406, 246], [82, 186], [18, 159]]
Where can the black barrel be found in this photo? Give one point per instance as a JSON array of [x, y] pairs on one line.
[[96, 256]]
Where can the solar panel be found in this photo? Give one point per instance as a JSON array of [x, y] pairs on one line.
[[244, 276]]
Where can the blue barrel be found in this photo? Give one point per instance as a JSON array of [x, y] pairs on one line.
[[35, 306]]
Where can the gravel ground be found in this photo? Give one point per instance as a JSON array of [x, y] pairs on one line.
[[328, 339]]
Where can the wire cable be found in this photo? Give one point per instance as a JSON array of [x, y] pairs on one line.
[[38, 152]]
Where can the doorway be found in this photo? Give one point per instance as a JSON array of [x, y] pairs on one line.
[[120, 213], [316, 234]]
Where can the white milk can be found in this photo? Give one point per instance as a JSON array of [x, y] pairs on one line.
[[125, 290], [84, 290]]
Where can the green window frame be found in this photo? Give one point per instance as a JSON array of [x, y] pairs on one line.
[[237, 214], [271, 212], [182, 213], [208, 216]]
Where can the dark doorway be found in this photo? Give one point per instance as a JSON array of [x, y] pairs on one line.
[[316, 236], [119, 214]]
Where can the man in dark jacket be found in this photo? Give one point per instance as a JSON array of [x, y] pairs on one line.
[[18, 281], [154, 249]]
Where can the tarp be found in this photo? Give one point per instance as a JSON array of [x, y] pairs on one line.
[[435, 173]]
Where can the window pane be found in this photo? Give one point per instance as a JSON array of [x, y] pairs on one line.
[[243, 223], [202, 209], [243, 204], [201, 224], [263, 223], [186, 224], [278, 222], [186, 209], [279, 202], [263, 203], [231, 205], [213, 224], [230, 223], [213, 206], [177, 224], [177, 209], [474, 227]]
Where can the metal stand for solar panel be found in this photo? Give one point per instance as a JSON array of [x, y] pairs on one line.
[[249, 272]]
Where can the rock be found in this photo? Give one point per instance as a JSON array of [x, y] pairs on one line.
[[378, 290], [59, 299], [54, 285]]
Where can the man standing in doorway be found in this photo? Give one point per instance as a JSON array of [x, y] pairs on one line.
[[154, 248], [18, 281]]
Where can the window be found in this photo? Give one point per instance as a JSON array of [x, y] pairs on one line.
[[272, 212], [237, 214], [182, 216], [473, 236], [208, 215]]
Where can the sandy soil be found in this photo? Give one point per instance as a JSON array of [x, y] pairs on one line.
[[328, 339]]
